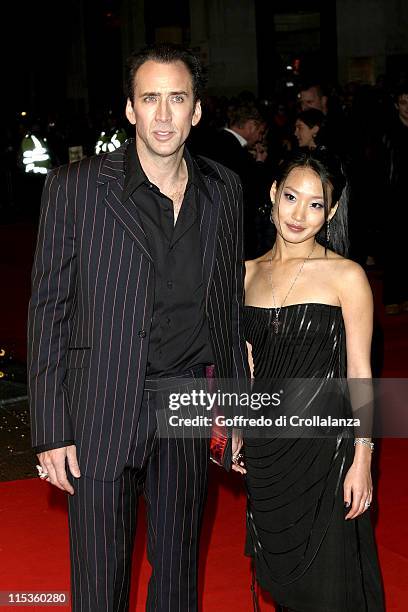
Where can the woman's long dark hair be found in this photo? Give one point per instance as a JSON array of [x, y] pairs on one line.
[[311, 117], [330, 170]]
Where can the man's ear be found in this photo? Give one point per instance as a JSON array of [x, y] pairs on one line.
[[273, 192], [197, 113], [129, 112], [333, 211]]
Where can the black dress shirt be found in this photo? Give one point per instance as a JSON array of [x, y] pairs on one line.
[[179, 337]]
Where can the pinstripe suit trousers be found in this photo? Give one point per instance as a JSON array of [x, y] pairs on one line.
[[172, 475]]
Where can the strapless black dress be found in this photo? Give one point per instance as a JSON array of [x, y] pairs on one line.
[[306, 554]]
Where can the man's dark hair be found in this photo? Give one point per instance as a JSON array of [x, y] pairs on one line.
[[166, 53], [239, 114], [400, 90], [321, 89]]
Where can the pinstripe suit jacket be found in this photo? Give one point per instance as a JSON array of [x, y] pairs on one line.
[[92, 298]]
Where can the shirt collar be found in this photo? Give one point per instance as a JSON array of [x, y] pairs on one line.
[[135, 175], [240, 138]]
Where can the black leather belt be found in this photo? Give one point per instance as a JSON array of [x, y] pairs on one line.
[[160, 383]]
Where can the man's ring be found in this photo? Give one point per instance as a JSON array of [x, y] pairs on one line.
[[367, 504], [41, 472], [237, 458]]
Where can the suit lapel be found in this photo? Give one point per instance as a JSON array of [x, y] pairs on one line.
[[112, 174]]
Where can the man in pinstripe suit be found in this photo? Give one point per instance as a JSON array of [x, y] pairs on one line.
[[137, 281]]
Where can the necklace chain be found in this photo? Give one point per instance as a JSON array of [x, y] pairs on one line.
[[276, 322]]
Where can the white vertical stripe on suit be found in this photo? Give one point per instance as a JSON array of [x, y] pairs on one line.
[[172, 472]]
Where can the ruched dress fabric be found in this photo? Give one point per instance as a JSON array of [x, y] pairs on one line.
[[306, 554]]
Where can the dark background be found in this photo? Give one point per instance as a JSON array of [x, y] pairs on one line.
[[68, 56]]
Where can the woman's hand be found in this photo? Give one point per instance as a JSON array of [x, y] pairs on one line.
[[358, 487], [237, 457]]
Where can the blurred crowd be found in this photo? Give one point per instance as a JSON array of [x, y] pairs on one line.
[[367, 125]]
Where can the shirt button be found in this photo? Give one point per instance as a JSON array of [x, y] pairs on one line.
[[150, 186], [142, 333], [169, 285]]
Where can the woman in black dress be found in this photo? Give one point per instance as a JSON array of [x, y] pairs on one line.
[[308, 315]]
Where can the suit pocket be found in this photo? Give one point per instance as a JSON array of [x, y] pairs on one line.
[[78, 357]]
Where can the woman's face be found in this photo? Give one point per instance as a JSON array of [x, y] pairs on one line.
[[305, 134], [402, 107], [299, 214]]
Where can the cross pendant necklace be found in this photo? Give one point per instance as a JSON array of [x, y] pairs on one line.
[[275, 321]]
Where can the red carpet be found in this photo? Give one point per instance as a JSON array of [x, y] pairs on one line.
[[34, 540], [33, 527]]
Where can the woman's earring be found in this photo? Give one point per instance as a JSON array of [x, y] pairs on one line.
[[327, 232]]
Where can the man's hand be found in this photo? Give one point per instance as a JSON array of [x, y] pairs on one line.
[[261, 152], [53, 462], [237, 461]]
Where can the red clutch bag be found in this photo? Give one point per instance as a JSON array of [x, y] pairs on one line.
[[220, 441]]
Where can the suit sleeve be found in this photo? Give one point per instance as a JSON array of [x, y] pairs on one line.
[[50, 306]]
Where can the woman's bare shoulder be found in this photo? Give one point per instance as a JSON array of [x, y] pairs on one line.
[[349, 275], [347, 266], [250, 264], [255, 274], [254, 265], [344, 265]]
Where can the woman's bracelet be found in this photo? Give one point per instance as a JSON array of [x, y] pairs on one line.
[[364, 442]]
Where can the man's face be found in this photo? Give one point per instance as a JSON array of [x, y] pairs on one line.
[[163, 109], [402, 107], [253, 131], [309, 98]]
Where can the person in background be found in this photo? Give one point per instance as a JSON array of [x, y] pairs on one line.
[[308, 128], [244, 131], [238, 146], [395, 146], [313, 96]]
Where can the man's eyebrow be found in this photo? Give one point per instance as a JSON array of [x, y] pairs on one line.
[[171, 93], [179, 93]]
